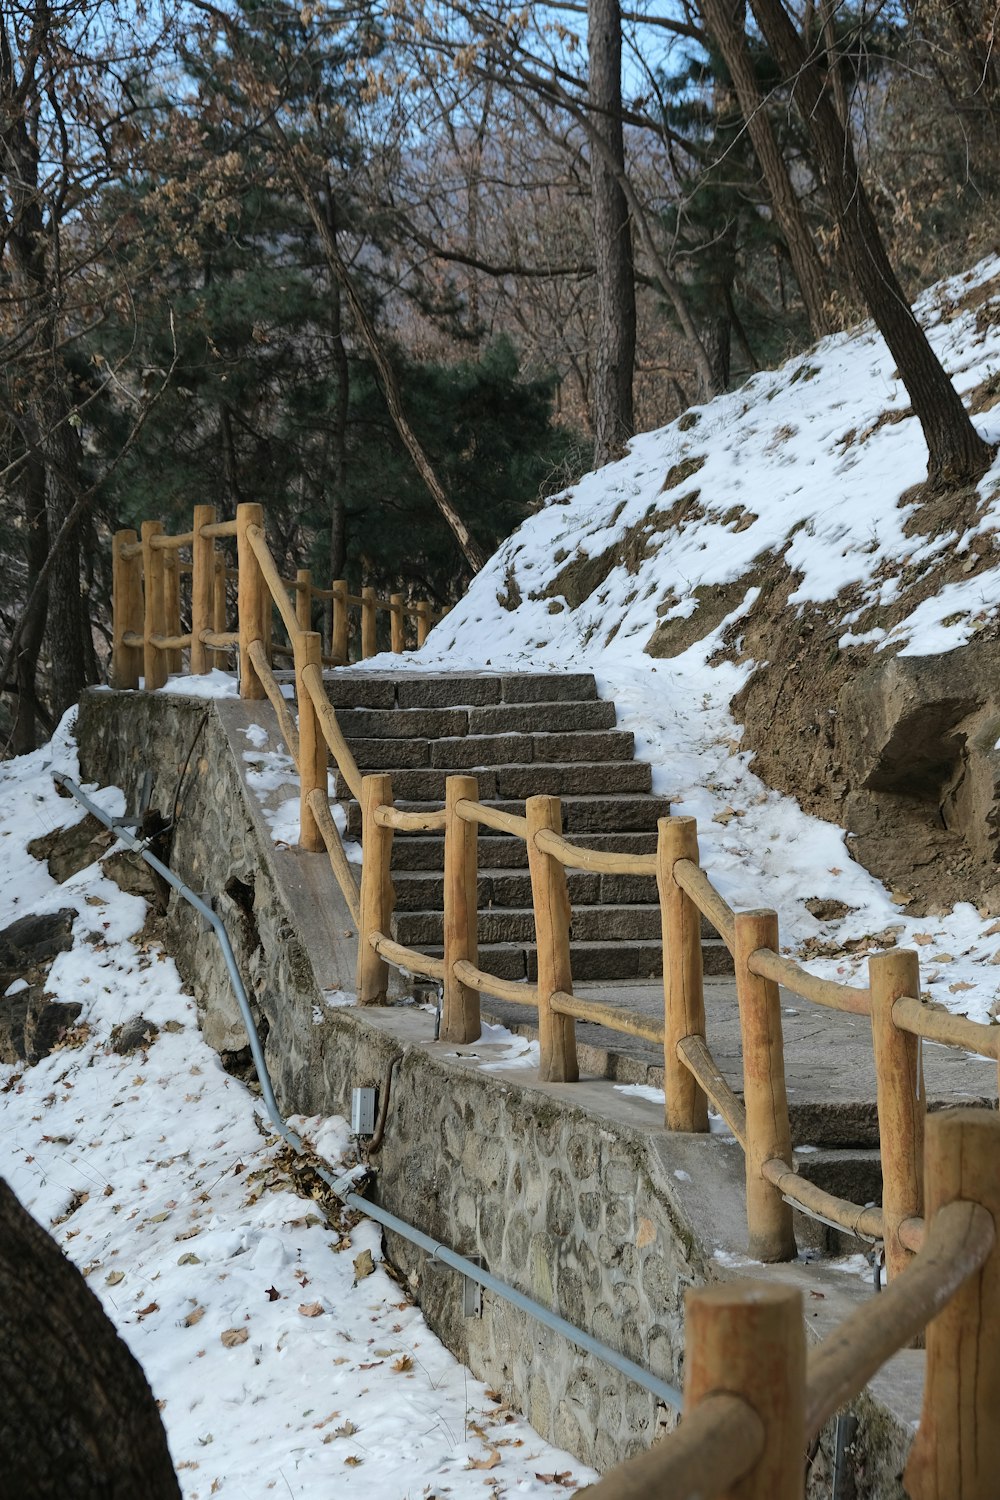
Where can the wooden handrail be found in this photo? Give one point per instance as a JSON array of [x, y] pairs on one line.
[[275, 583], [829, 992], [920, 1019], [343, 874], [220, 640], [169, 543], [132, 638], [709, 1452], [431, 821], [170, 642], [272, 688], [312, 679], [603, 861], [219, 528], [128, 550], [692, 878], [492, 817], [410, 959], [514, 990], [866, 1223], [615, 1017], [694, 1053]]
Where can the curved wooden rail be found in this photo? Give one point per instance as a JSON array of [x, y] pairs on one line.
[[272, 688], [432, 821], [692, 879], [219, 528], [319, 806], [220, 640], [275, 583], [694, 1053], [491, 817], [170, 642], [409, 959], [711, 1451], [934, 1025], [602, 861], [829, 992], [514, 990], [165, 543], [866, 1223], [615, 1017], [312, 680]]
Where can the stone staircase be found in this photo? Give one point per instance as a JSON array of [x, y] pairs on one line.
[[519, 734]]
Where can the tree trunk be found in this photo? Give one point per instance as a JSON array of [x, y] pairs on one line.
[[25, 666], [726, 21], [67, 619], [614, 363], [338, 434], [77, 1417], [956, 454]]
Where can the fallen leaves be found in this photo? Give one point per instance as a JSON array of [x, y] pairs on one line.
[[311, 1309], [566, 1479], [230, 1337], [113, 1278], [196, 1315], [364, 1265], [489, 1462], [272, 1294], [144, 1312], [403, 1364]]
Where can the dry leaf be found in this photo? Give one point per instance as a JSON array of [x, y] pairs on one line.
[[363, 1265], [347, 1429], [114, 1277], [354, 1461], [942, 958], [311, 1309], [566, 1479], [189, 1260], [489, 1462], [272, 1294], [144, 1312], [195, 1316], [402, 1364], [233, 1336], [960, 984]]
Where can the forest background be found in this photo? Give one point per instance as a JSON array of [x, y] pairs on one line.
[[400, 271]]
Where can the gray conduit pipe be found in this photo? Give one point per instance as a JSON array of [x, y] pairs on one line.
[[665, 1392]]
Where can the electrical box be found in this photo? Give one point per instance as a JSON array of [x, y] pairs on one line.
[[362, 1111]]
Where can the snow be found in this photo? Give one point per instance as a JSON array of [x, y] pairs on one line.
[[213, 684], [286, 1361]]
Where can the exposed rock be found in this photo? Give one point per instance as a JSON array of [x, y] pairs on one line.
[[34, 940], [31, 1022], [67, 850], [132, 1034]]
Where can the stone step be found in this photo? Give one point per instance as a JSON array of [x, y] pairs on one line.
[[500, 851], [366, 689], [493, 719], [522, 781], [461, 752], [503, 924], [593, 960], [584, 815]]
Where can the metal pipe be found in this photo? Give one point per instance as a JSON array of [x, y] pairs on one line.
[[665, 1392]]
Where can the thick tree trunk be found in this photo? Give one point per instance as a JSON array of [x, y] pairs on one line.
[[77, 1417], [614, 361], [957, 454], [338, 433], [725, 19]]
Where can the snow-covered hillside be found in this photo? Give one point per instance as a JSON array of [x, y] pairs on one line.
[[806, 464]]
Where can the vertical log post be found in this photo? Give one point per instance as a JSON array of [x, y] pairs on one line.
[[377, 894], [127, 611], [303, 599], [902, 1103], [550, 899], [154, 662], [254, 599], [339, 638], [219, 593], [423, 609], [769, 1217], [956, 1452], [460, 1020], [202, 587], [396, 622], [172, 606], [312, 745], [369, 645], [683, 990], [747, 1339]]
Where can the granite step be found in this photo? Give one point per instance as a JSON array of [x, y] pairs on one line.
[[497, 782], [465, 753], [501, 851]]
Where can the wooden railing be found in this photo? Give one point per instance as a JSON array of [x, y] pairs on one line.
[[149, 573], [755, 1398]]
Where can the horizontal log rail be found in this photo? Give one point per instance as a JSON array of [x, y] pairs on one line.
[[916, 1018], [865, 1223], [491, 817], [515, 990], [431, 821], [601, 861], [410, 959], [219, 529], [168, 543], [615, 1017], [828, 992], [696, 1057], [219, 640], [171, 642]]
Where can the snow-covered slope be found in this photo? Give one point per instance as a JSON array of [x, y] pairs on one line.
[[808, 463]]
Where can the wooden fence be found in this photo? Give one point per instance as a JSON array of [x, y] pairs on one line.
[[692, 1080], [149, 574]]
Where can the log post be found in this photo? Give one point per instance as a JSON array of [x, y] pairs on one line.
[[303, 599], [423, 609], [377, 894], [396, 622], [460, 1019], [769, 1217], [254, 604], [550, 899], [219, 593], [902, 1103], [312, 745], [747, 1339], [172, 606], [154, 662], [369, 645], [683, 990], [127, 611], [339, 635], [956, 1452], [202, 586]]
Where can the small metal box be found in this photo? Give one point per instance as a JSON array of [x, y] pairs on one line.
[[362, 1111]]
